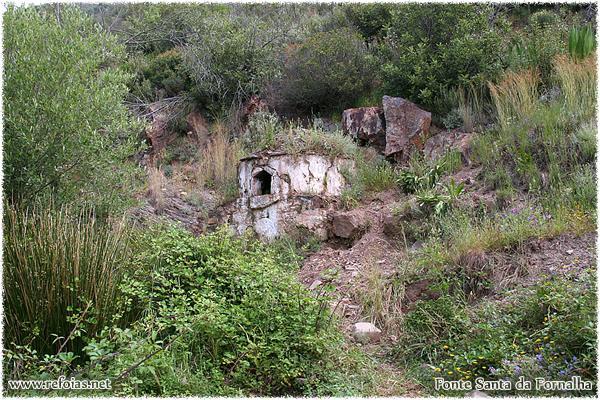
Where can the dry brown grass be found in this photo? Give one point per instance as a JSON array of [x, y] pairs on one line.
[[218, 165], [515, 97], [380, 300], [156, 188], [578, 84], [471, 107]]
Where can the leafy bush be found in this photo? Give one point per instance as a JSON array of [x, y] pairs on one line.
[[230, 59], [536, 45], [547, 331], [370, 20], [327, 72], [244, 320], [67, 134], [411, 182], [216, 315], [437, 47], [261, 132], [56, 263], [437, 202]]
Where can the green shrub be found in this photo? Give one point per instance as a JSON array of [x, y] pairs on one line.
[[370, 20], [546, 331], [583, 186], [585, 137], [441, 46], [244, 320], [536, 45], [262, 131], [329, 71], [55, 264], [67, 133], [159, 76], [411, 182]]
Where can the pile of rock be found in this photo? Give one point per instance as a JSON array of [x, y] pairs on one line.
[[396, 129]]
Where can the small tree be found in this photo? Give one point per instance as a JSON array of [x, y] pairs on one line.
[[429, 49], [329, 71], [66, 131]]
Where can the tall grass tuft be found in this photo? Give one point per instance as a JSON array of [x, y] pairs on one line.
[[578, 83], [515, 97], [157, 183], [471, 107], [581, 42], [55, 264], [218, 166]]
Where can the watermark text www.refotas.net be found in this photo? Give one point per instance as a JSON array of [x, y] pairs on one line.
[[62, 383]]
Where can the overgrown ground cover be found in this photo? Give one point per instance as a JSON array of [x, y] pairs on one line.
[[541, 154]]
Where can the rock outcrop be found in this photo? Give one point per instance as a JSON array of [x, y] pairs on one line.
[[406, 127], [396, 130], [437, 145], [348, 225], [366, 125]]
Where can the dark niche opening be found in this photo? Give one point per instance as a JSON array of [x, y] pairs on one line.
[[262, 183]]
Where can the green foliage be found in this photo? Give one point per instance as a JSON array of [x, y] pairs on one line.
[[217, 315], [231, 58], [585, 137], [536, 45], [370, 20], [538, 144], [411, 182], [244, 319], [368, 176], [262, 131], [437, 202], [328, 71], [297, 140], [158, 76], [67, 134], [55, 264], [582, 42], [547, 330], [432, 323], [440, 46], [377, 175]]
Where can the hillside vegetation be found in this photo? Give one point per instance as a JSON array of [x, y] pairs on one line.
[[123, 128]]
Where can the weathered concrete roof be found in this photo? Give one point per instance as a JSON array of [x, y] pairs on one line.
[[263, 154]]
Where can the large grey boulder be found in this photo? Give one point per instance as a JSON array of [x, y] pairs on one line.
[[406, 126]]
